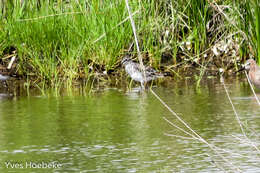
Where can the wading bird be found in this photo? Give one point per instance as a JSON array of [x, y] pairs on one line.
[[254, 72], [4, 78], [137, 74]]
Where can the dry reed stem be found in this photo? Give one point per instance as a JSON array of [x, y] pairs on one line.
[[11, 62], [136, 39], [237, 117], [194, 137], [217, 148], [183, 122], [233, 107], [8, 56], [247, 141], [212, 147]]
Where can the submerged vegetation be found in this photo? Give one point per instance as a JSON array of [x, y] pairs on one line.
[[60, 42]]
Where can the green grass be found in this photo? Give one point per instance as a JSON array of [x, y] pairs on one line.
[[58, 47], [248, 22], [58, 42]]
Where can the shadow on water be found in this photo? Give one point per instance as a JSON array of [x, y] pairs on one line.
[[124, 131]]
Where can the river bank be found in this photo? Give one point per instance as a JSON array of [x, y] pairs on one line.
[[60, 43]]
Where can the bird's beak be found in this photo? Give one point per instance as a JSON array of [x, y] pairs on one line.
[[241, 69]]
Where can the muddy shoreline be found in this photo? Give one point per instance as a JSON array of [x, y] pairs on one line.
[[20, 87]]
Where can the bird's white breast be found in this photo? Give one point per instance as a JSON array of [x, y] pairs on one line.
[[134, 73]]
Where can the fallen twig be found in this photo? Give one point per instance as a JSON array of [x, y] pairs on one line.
[[11, 62]]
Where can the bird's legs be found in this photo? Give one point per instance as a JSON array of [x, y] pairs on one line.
[[143, 85]]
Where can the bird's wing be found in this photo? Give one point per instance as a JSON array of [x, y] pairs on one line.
[[137, 66], [133, 67], [147, 69], [150, 70]]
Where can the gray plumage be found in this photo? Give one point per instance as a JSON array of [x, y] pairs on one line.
[[136, 73], [254, 72], [4, 78]]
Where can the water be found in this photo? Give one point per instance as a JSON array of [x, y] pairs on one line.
[[118, 131]]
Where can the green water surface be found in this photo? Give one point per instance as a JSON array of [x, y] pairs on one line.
[[125, 131]]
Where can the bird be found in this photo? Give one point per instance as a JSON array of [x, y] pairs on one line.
[[253, 72], [136, 72], [4, 78]]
